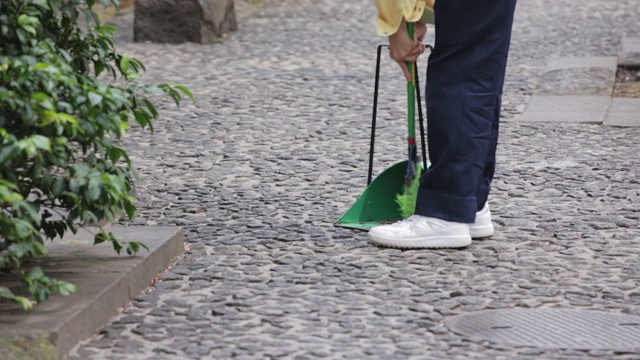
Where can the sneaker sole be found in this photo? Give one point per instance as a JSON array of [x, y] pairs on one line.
[[478, 232], [439, 242]]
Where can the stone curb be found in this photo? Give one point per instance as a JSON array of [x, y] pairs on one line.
[[623, 112], [630, 52], [105, 281]]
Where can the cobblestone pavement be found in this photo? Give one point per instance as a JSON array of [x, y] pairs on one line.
[[275, 150]]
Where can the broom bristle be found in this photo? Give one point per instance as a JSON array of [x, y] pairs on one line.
[[407, 198]]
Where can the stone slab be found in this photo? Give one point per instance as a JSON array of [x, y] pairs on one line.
[[630, 52], [567, 109], [578, 76], [105, 283], [623, 112], [575, 62]]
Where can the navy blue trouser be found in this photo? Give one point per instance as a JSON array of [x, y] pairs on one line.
[[465, 78]]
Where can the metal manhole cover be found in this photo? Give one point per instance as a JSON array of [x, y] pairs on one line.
[[552, 328]]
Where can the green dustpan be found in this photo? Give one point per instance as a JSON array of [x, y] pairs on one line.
[[377, 204]]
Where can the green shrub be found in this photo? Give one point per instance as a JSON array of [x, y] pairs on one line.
[[66, 98]]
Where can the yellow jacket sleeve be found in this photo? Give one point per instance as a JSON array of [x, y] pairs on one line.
[[391, 12]]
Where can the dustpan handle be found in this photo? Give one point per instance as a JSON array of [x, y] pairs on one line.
[[421, 117], [411, 96], [375, 114]]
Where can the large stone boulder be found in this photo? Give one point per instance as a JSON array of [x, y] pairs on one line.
[[179, 21]]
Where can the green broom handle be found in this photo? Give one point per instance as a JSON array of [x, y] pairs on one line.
[[411, 93]]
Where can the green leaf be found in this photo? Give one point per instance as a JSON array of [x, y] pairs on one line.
[[186, 90], [40, 249], [89, 217], [100, 238], [67, 118], [74, 185], [115, 153], [99, 67], [8, 184], [43, 100], [142, 245], [151, 108], [175, 96], [138, 64], [27, 23], [30, 29], [6, 152], [35, 273], [142, 117], [6, 293], [34, 143], [22, 36], [66, 288], [49, 230], [117, 246], [42, 66], [29, 209], [133, 76], [61, 228], [107, 29], [24, 302], [91, 15], [67, 57], [130, 209], [93, 190], [95, 98], [124, 64], [132, 248], [41, 142], [23, 229]]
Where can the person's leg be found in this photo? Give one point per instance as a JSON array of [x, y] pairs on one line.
[[464, 81], [490, 164], [465, 76], [485, 185]]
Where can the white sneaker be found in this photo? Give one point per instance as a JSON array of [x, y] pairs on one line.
[[483, 227], [421, 232]]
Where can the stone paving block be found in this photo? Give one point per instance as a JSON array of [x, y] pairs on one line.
[[105, 283], [578, 76], [624, 112], [567, 109], [630, 52]]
